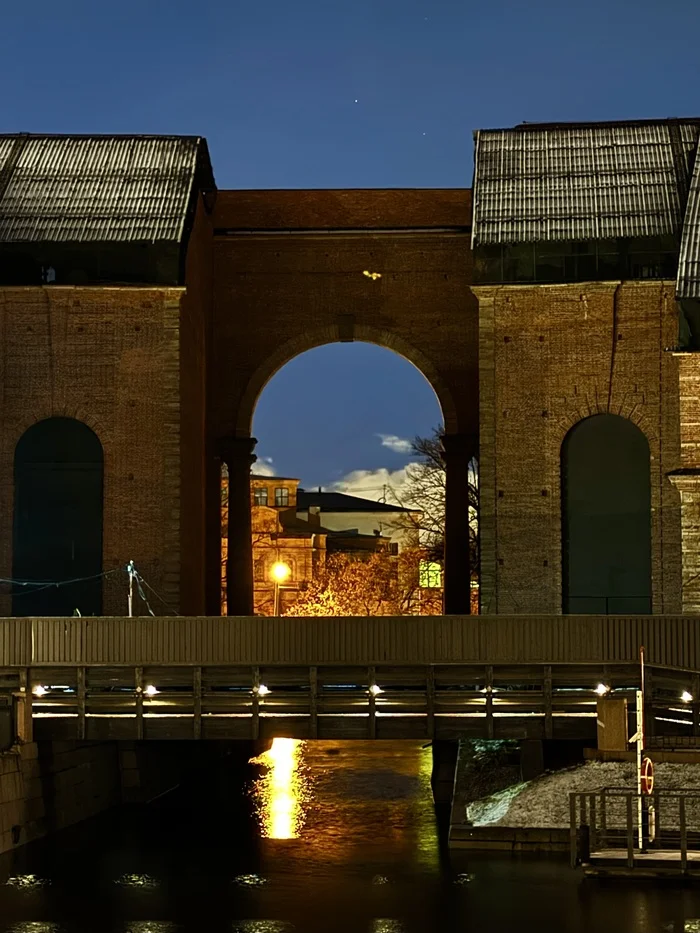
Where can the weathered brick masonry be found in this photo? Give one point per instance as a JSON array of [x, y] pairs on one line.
[[551, 355], [110, 358]]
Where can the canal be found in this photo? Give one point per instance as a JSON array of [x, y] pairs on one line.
[[316, 837]]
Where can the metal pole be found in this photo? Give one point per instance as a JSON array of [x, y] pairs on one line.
[[640, 742], [131, 570], [276, 609], [640, 749]]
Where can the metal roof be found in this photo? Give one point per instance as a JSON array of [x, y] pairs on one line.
[[97, 188], [341, 502], [688, 285], [537, 183]]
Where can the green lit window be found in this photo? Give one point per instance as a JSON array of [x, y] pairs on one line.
[[260, 495], [281, 496], [430, 574]]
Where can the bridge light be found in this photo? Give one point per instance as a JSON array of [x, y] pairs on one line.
[[375, 690], [261, 690], [602, 689], [150, 690], [687, 697], [39, 690]]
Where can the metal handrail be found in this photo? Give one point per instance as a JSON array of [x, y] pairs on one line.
[[591, 830]]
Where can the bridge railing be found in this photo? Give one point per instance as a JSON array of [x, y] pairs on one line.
[[670, 641]]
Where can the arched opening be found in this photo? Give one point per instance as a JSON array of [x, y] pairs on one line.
[[57, 526], [331, 486], [606, 518]]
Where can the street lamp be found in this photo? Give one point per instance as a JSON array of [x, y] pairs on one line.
[[279, 572]]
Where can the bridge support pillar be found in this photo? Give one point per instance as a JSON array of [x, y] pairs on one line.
[[237, 454], [458, 451]]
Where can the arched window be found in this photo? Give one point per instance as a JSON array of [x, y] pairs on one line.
[[606, 518], [57, 527]]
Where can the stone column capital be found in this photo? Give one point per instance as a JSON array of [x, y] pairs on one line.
[[236, 451], [459, 447]]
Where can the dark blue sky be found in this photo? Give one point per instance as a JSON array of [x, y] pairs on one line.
[[273, 85]]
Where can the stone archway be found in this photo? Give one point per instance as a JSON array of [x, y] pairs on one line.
[[290, 274]]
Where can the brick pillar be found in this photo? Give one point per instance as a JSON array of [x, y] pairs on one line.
[[687, 482], [458, 450], [237, 454]]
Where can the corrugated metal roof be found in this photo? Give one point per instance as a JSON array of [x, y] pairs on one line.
[[96, 188], [581, 182], [689, 259]]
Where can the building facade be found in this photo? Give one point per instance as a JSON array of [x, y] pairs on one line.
[[557, 317]]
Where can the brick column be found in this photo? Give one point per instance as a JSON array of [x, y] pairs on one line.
[[237, 454], [687, 482], [458, 450]]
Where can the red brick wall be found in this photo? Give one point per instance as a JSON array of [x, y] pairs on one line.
[[550, 356], [195, 323], [276, 296], [110, 358]]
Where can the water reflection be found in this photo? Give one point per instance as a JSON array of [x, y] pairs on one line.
[[262, 926], [26, 882], [35, 926], [136, 880], [281, 793], [150, 926]]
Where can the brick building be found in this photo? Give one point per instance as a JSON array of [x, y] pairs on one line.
[[585, 244], [142, 311]]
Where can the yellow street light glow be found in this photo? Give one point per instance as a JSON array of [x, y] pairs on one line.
[[375, 690], [150, 690], [602, 689], [687, 697], [280, 571], [39, 690]]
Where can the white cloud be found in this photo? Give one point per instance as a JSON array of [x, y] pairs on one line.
[[385, 485], [263, 467], [399, 445]]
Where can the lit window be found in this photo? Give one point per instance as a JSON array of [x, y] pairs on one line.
[[281, 496], [260, 494], [430, 574]]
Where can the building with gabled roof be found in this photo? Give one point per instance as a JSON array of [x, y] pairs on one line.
[[586, 258]]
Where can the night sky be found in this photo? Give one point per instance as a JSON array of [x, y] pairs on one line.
[[322, 93]]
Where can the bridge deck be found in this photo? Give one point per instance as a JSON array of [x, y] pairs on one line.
[[441, 677]]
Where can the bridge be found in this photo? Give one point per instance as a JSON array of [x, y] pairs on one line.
[[409, 677]]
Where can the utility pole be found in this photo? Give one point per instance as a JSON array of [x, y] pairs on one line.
[[131, 570]]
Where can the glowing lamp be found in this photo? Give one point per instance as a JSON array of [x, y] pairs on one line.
[[602, 689], [280, 571], [39, 690], [261, 690], [687, 697], [150, 690], [375, 690]]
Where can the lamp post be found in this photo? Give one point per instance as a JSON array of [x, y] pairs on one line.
[[279, 572]]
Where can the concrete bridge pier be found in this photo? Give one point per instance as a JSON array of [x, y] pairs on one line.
[[442, 778]]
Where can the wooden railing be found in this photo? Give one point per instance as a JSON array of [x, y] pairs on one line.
[[670, 641]]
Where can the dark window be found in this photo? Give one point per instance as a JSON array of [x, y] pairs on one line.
[[281, 496], [259, 570], [260, 495], [57, 526], [579, 261], [606, 518], [393, 549]]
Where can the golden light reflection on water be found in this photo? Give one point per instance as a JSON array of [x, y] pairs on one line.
[[282, 792]]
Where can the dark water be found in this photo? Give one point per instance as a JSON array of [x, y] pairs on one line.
[[334, 838]]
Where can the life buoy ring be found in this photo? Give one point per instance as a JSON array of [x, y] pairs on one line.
[[647, 776]]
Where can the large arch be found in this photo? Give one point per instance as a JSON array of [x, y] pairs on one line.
[[311, 340], [606, 518], [57, 522]]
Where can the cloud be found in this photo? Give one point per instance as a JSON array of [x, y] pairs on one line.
[[385, 485], [399, 445], [263, 467]]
